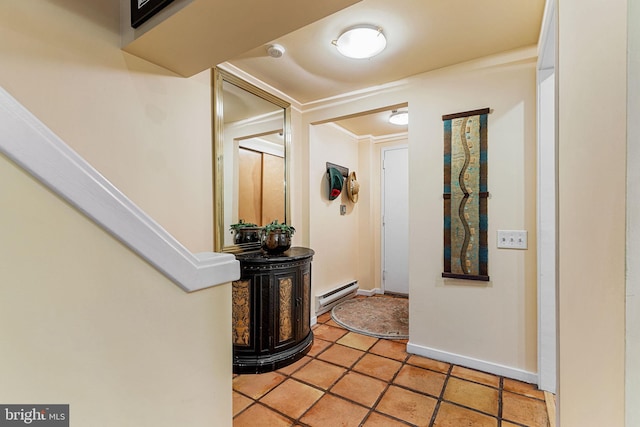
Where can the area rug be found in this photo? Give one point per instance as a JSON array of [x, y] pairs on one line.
[[381, 317]]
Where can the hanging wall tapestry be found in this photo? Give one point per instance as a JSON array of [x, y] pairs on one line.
[[465, 195]]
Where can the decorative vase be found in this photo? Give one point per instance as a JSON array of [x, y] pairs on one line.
[[247, 235], [275, 242]]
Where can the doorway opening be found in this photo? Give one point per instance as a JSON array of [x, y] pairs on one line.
[[358, 141]]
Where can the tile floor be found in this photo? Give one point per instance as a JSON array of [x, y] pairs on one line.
[[348, 379]]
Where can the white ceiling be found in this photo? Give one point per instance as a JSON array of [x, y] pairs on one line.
[[374, 124], [190, 36], [422, 35]]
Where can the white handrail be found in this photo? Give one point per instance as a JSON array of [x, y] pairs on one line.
[[35, 148]]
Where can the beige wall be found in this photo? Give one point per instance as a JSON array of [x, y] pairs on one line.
[[333, 237], [147, 130], [84, 321], [592, 142], [491, 321], [632, 368], [496, 321]]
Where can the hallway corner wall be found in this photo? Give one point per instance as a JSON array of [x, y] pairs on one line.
[[592, 144], [491, 326]]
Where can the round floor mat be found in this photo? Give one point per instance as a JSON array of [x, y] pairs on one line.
[[381, 317]]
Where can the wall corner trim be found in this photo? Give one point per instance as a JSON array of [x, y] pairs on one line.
[[35, 148]]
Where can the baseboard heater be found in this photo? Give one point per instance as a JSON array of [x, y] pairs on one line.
[[328, 300]]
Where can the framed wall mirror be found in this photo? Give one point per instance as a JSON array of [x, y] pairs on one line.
[[251, 141]]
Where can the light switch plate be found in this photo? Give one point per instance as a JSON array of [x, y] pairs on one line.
[[512, 239]]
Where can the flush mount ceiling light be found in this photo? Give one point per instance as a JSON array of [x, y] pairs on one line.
[[361, 41], [400, 118]]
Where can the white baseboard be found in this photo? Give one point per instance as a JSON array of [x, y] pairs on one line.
[[470, 362], [369, 292], [314, 320]]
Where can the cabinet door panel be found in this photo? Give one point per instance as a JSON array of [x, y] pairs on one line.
[[286, 309], [306, 302], [241, 312], [284, 294]]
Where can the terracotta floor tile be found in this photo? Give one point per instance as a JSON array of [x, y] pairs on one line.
[[256, 386], [240, 402], [378, 367], [425, 362], [421, 380], [472, 395], [391, 349], [292, 398], [359, 341], [359, 388], [530, 390], [319, 373], [331, 322], [378, 420], [476, 376], [450, 415], [328, 333], [524, 410], [341, 355], [267, 417], [406, 405], [318, 347], [344, 380], [324, 317], [334, 411], [288, 370]]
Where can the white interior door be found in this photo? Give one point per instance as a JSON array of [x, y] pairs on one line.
[[395, 220]]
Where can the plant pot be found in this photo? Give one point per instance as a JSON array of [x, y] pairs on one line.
[[275, 242], [247, 235]]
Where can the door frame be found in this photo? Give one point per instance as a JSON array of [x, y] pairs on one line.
[[632, 303], [547, 202]]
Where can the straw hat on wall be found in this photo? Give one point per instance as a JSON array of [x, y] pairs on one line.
[[353, 188]]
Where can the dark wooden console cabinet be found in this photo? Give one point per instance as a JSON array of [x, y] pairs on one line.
[[271, 310]]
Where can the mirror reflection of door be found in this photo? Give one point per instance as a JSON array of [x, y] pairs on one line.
[[261, 196], [251, 138]]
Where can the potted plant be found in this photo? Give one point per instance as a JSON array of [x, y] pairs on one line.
[[276, 238], [245, 232]]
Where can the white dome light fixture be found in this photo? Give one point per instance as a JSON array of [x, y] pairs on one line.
[[361, 41], [400, 118]]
